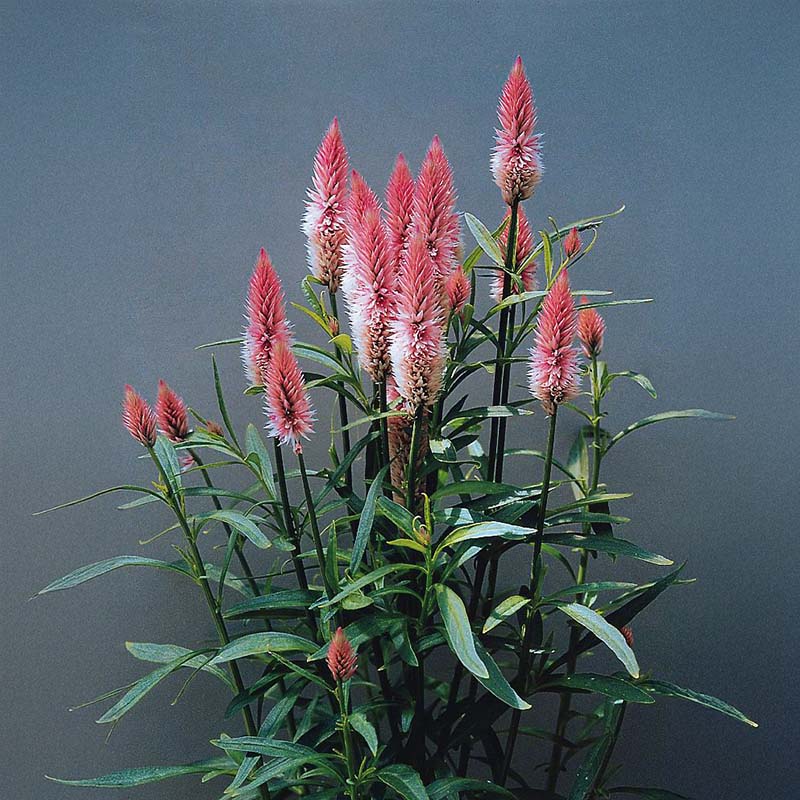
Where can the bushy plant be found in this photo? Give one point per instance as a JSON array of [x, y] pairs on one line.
[[381, 653]]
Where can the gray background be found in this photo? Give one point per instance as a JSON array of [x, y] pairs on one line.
[[148, 150]]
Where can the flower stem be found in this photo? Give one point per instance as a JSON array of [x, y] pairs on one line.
[[342, 403], [411, 467], [347, 740]]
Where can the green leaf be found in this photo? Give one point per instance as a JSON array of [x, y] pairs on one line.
[[609, 685], [459, 631], [256, 450], [700, 413], [404, 780], [547, 247], [397, 514], [648, 793], [637, 377], [366, 520], [484, 238], [496, 682], [591, 588], [164, 653], [91, 571], [671, 690], [606, 633], [223, 409], [366, 730], [264, 643], [240, 523], [505, 609], [122, 488], [444, 787], [138, 776], [617, 547], [365, 580], [591, 770], [286, 599], [168, 459]]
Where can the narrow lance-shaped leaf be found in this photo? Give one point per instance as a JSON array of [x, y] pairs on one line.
[[672, 690], [484, 238], [138, 776], [240, 523], [404, 780], [700, 413], [366, 520], [458, 630]]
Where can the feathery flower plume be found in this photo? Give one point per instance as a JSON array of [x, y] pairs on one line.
[[516, 159], [368, 281], [289, 413], [572, 243], [323, 223], [342, 659], [457, 289], [524, 249], [591, 329], [435, 219], [400, 210], [265, 311], [138, 417], [400, 428], [173, 421], [418, 348], [554, 361]]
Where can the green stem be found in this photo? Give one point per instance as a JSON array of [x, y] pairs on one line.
[[527, 633], [342, 402], [411, 467], [347, 740]]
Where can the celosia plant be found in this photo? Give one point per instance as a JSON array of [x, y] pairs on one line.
[[382, 653]]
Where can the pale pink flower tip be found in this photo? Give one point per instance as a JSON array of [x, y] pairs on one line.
[[173, 421], [289, 413], [524, 248], [572, 243], [400, 210], [516, 159], [435, 218], [418, 348], [554, 361], [591, 329], [265, 311], [457, 289], [324, 223], [369, 281], [139, 418], [342, 659]]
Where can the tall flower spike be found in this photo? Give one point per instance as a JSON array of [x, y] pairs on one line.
[[554, 361], [323, 223], [591, 329], [457, 289], [369, 282], [516, 159], [360, 200], [435, 219], [524, 249], [173, 421], [138, 417], [289, 413], [265, 311], [418, 348], [342, 659], [400, 210]]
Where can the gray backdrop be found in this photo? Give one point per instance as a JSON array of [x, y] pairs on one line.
[[150, 149]]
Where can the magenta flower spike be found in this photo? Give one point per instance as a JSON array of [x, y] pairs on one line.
[[435, 219], [139, 418], [369, 281], [289, 413], [457, 289], [516, 159], [418, 348], [342, 659], [173, 421], [400, 210], [524, 249], [572, 243], [265, 311], [591, 329], [324, 223], [554, 361]]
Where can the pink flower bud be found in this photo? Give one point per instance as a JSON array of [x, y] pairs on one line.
[[627, 632], [591, 329], [572, 243], [214, 428], [288, 408], [342, 659], [173, 421], [524, 249], [139, 418], [457, 289], [516, 159]]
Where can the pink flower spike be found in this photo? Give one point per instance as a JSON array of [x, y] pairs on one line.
[[265, 311], [400, 209], [591, 329], [418, 348], [173, 421], [289, 413], [516, 159], [435, 219], [323, 223], [457, 289], [554, 361], [342, 659], [572, 243], [361, 199], [524, 249], [139, 418]]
